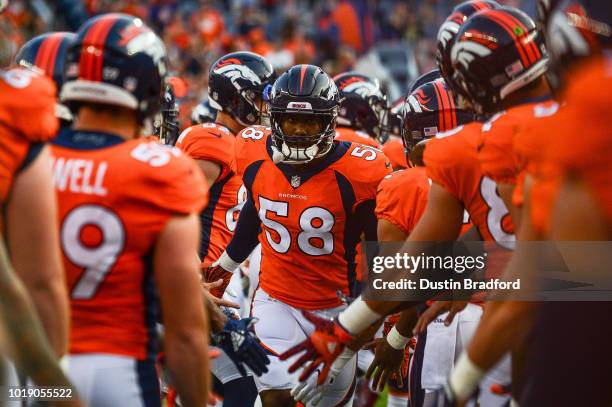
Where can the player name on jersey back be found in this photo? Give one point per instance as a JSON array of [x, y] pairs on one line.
[[79, 176]]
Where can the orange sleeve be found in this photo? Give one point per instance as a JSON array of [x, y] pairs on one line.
[[179, 189], [28, 104], [208, 142], [496, 153]]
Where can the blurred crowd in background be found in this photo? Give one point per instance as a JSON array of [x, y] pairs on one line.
[[392, 40]]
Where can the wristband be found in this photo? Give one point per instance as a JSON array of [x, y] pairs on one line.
[[396, 340], [227, 263], [465, 377], [357, 317]]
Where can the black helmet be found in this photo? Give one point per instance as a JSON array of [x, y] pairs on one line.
[[423, 79], [429, 110], [236, 82], [203, 113], [496, 52], [303, 89], [47, 53], [449, 29], [364, 105], [166, 125], [576, 30], [116, 60]]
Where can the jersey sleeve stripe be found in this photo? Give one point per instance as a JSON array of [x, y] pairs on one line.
[[206, 216], [351, 227]]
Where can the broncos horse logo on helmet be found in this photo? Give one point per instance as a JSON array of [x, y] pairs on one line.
[[496, 52], [448, 31], [236, 85], [363, 106]]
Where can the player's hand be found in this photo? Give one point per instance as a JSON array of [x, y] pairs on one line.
[[387, 363], [436, 309], [220, 302], [309, 391], [214, 273], [324, 346], [242, 346]]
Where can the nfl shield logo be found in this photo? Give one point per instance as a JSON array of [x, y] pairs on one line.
[[296, 180]]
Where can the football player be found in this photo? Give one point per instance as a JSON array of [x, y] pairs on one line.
[[235, 87], [128, 211], [27, 122], [312, 197], [363, 111], [451, 158], [400, 202], [564, 198]]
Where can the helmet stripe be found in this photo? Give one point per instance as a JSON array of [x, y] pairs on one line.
[[54, 44], [531, 45], [502, 21], [441, 106], [100, 40], [451, 103], [86, 64], [41, 55], [91, 63], [302, 73]]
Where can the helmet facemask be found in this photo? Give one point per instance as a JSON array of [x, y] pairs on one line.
[[301, 149]]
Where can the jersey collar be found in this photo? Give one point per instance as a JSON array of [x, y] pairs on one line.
[[86, 140]]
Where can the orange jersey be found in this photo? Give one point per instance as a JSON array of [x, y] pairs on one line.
[[115, 197], [451, 159], [394, 150], [356, 136], [215, 143], [311, 220], [27, 118], [402, 197]]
